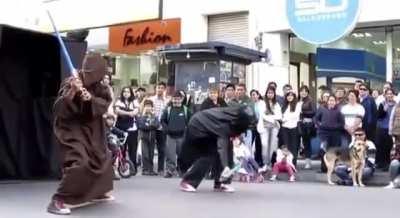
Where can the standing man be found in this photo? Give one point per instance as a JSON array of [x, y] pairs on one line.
[[230, 95], [241, 96], [286, 89], [160, 102], [244, 100], [174, 120], [79, 128], [371, 112]]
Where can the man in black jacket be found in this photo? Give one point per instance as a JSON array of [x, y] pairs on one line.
[[206, 143], [371, 113], [174, 120]]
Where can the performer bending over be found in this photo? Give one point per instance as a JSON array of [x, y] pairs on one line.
[[206, 143], [79, 128]]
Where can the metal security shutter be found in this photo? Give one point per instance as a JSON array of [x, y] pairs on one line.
[[231, 28]]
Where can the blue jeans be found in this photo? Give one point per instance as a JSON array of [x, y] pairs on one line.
[[394, 169], [343, 172]]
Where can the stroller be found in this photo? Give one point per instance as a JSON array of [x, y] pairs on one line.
[[116, 140]]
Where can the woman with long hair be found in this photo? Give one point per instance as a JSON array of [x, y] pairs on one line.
[[268, 125], [290, 117], [307, 130], [126, 109], [257, 99]]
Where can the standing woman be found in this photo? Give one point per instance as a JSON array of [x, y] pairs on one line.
[[330, 122], [291, 116], [127, 109], [307, 130], [353, 113], [257, 99], [270, 115]]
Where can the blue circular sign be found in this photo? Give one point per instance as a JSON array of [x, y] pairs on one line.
[[322, 21]]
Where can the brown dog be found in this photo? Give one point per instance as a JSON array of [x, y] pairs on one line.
[[354, 156]]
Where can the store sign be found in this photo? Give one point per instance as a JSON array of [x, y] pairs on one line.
[[143, 36], [322, 21]]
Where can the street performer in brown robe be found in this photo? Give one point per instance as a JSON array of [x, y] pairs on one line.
[[79, 129]]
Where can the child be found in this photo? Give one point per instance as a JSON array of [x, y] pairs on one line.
[[148, 123], [174, 120], [284, 163], [113, 134], [249, 169]]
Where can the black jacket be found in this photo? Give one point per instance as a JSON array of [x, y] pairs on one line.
[[307, 109], [174, 120], [329, 119]]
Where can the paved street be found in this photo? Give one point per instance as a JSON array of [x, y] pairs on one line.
[[151, 197]]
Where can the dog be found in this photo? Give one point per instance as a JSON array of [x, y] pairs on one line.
[[354, 156]]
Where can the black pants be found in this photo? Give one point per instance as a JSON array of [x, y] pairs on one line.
[[291, 138], [160, 138], [370, 131], [197, 157], [256, 139], [132, 142], [148, 155], [384, 144], [329, 139], [307, 132]]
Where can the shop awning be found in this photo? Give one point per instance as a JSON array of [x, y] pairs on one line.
[[350, 63], [211, 50], [75, 14]]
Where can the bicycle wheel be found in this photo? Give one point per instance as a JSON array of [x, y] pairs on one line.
[[125, 168]]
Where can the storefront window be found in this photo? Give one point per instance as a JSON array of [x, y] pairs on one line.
[[239, 73], [371, 40], [396, 57]]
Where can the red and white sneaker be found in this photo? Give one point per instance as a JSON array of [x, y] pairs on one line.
[[186, 187], [224, 188], [58, 207]]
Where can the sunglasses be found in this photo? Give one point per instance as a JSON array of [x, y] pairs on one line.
[[363, 89], [359, 134]]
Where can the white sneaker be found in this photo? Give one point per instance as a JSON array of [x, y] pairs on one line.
[[263, 169], [292, 179], [226, 174], [308, 164], [224, 188], [390, 186], [186, 187], [242, 171], [273, 178]]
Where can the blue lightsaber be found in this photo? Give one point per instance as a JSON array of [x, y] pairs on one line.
[[67, 58]]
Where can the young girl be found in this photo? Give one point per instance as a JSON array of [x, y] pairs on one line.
[[268, 125], [126, 111], [291, 115], [284, 163], [306, 124], [249, 169]]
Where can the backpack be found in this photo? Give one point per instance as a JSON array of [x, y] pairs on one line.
[[185, 112]]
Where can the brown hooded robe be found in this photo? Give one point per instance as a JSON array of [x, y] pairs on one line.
[[80, 130]]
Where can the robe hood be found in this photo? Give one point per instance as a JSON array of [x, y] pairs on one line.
[[94, 68]]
